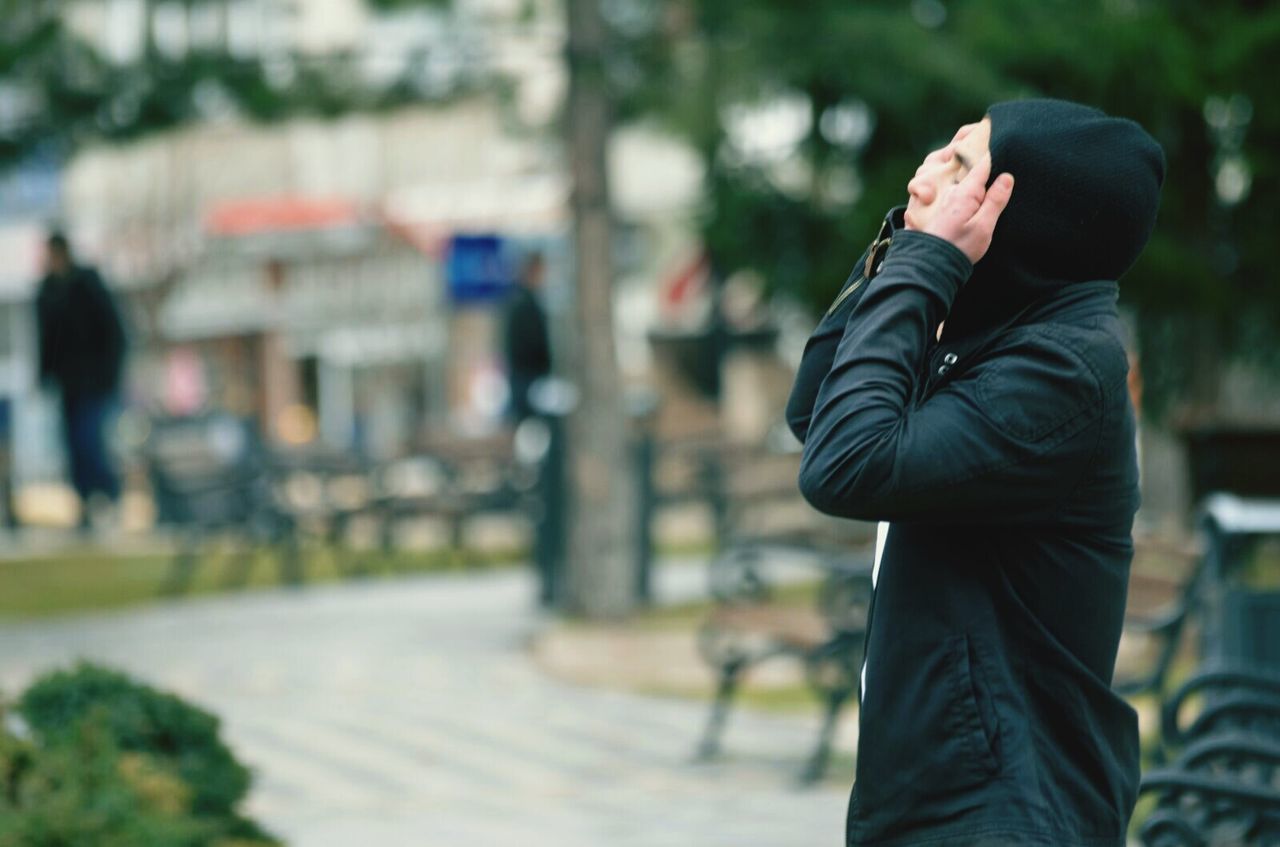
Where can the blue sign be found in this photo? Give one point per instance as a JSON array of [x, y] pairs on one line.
[[479, 269], [32, 188]]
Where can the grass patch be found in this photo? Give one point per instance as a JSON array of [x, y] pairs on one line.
[[781, 700], [96, 580], [688, 548], [690, 615], [786, 699], [1261, 571]]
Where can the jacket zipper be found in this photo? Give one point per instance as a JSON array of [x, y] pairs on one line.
[[845, 294]]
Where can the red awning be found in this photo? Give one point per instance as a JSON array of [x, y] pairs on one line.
[[279, 214]]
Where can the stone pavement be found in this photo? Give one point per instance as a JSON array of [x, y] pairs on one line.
[[408, 713]]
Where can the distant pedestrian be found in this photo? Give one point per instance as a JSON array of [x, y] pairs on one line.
[[82, 351], [525, 342]]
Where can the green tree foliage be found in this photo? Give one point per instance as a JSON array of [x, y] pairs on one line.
[[875, 84], [394, 5], [101, 759], [871, 84], [57, 91]]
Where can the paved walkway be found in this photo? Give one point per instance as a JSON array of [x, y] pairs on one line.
[[408, 713]]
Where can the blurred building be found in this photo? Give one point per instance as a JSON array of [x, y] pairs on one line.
[[312, 317], [297, 272], [304, 264], [29, 441]]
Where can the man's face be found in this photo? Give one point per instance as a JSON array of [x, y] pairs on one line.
[[943, 169], [534, 273], [56, 261]]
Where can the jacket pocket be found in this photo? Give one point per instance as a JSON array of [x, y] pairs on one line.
[[986, 736], [929, 733]]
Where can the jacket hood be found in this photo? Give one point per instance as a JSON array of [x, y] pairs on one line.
[[1083, 207]]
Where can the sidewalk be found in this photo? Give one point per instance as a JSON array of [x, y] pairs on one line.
[[409, 713]]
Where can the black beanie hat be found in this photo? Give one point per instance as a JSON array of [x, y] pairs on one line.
[[1086, 191]]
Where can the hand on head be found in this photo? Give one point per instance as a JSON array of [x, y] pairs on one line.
[[967, 215], [960, 209]]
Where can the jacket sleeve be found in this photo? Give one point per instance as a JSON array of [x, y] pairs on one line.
[[820, 351], [109, 318], [1001, 444], [46, 364], [525, 335]]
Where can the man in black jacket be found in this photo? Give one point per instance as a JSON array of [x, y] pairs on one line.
[[81, 352], [525, 340], [967, 389]]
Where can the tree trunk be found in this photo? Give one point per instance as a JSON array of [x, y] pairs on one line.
[[600, 580], [149, 52]]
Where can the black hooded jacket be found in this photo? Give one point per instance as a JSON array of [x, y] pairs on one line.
[[82, 340], [1004, 459]]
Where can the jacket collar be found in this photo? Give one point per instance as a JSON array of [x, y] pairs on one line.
[[1073, 302], [1069, 303]]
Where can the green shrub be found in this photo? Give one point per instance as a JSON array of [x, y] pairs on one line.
[[98, 759], [143, 720], [76, 793]]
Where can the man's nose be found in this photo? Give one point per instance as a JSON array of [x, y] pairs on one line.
[[921, 188]]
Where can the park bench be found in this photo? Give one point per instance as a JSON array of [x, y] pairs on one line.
[[1162, 609], [1223, 786], [748, 626], [1220, 730], [453, 481], [750, 490], [1231, 528], [215, 477], [212, 476], [763, 533]]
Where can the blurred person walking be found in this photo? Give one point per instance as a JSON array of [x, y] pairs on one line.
[[81, 355], [525, 342], [967, 389]]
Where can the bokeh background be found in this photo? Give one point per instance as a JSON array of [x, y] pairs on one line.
[[419, 623]]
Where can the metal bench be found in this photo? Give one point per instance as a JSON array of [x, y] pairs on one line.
[[1223, 787], [748, 626], [1231, 527], [1164, 628], [1233, 700], [212, 476], [452, 483], [1220, 730]]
